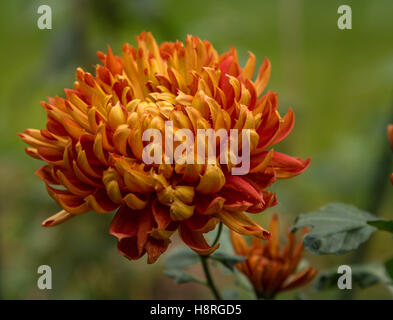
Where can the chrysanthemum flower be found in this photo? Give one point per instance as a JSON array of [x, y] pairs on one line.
[[269, 269], [93, 144]]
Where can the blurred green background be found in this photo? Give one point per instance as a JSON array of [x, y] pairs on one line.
[[339, 83]]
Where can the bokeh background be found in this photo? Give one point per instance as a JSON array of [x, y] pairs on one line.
[[339, 84]]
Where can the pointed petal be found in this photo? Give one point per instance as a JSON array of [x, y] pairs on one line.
[[286, 126], [300, 279], [240, 223], [263, 76], [287, 166], [248, 70], [239, 244], [155, 248], [128, 248], [237, 189], [273, 246], [57, 218], [195, 240], [208, 204], [100, 202]]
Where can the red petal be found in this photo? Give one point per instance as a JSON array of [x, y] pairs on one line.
[[262, 180], [195, 240], [208, 204], [125, 223], [100, 202], [45, 174], [197, 222], [161, 215], [128, 248], [286, 126], [237, 189], [146, 224], [155, 248], [69, 202], [287, 166]]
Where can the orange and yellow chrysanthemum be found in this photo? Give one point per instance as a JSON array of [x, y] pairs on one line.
[[269, 269], [92, 144]]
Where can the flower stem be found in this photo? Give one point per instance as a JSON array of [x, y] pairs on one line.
[[206, 270], [218, 234], [209, 279]]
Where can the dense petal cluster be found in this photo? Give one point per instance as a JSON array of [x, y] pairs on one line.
[[269, 269], [93, 146]]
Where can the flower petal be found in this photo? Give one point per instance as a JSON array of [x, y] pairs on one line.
[[287, 166], [212, 180], [195, 240], [155, 248], [208, 204], [300, 279], [263, 76], [128, 248], [286, 126], [239, 244], [57, 218], [238, 190], [124, 223], [240, 223]]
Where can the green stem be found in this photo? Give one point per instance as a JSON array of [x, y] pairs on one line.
[[209, 279], [218, 234], [206, 270]]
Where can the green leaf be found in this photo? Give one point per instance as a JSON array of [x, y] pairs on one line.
[[231, 294], [181, 258], [336, 228], [182, 277], [364, 276], [242, 281], [389, 268], [228, 260], [384, 225]]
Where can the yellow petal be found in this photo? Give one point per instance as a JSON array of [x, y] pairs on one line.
[[110, 179], [240, 223], [263, 76], [212, 180], [134, 202], [180, 211], [116, 117], [136, 181], [161, 234], [120, 138], [185, 193], [248, 70], [135, 142], [57, 218]]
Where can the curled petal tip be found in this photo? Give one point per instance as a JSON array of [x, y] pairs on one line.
[[266, 235], [57, 218]]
